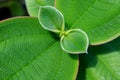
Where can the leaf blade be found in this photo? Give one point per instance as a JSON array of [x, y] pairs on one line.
[[33, 6], [93, 16], [103, 62], [75, 41], [24, 54], [51, 19], [45, 2]]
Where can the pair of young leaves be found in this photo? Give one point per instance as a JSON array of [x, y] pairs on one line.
[[73, 41]]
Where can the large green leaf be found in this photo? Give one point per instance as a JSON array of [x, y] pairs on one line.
[[102, 62], [33, 5], [100, 19], [28, 52]]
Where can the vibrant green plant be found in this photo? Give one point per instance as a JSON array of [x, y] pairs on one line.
[[38, 47], [73, 41]]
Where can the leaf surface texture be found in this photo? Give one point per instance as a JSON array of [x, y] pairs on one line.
[[28, 52]]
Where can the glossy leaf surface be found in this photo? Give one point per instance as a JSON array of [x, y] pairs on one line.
[[45, 2], [100, 19], [33, 6], [51, 19], [75, 41], [28, 52], [102, 62]]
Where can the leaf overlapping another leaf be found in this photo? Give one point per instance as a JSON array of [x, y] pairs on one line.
[[74, 41], [98, 18], [51, 19], [102, 62], [28, 52], [33, 6]]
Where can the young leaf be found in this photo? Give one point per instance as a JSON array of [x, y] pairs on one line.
[[102, 62], [28, 52], [33, 6], [92, 16], [100, 19], [74, 41], [51, 19]]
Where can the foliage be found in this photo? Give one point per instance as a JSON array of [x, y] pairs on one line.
[[38, 47], [28, 52]]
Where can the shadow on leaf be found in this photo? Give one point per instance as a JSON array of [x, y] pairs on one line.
[[91, 59]]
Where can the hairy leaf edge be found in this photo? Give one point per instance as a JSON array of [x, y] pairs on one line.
[[39, 12], [75, 52]]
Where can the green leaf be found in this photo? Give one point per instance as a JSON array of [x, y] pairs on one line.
[[51, 19], [102, 62], [28, 52], [75, 41], [100, 19], [33, 6], [45, 2]]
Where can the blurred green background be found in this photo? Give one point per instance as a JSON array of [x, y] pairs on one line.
[[12, 8]]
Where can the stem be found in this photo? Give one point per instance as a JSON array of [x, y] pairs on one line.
[[62, 33]]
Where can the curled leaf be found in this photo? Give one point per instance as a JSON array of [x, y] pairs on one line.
[[51, 19], [74, 41]]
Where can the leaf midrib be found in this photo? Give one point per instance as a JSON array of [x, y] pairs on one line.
[[20, 35], [102, 22], [32, 60], [107, 65], [105, 21], [84, 13], [58, 66], [9, 38]]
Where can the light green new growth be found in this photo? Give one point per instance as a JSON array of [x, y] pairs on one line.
[[51, 19], [73, 41], [28, 52]]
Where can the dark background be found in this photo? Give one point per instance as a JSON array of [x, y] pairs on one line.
[[12, 8]]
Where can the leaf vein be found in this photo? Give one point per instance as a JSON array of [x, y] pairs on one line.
[[31, 61]]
